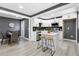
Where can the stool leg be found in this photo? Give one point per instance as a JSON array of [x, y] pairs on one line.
[[53, 45], [37, 44], [48, 44], [52, 52], [42, 44], [46, 47]]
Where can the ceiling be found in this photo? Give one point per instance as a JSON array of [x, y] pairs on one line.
[[28, 9]]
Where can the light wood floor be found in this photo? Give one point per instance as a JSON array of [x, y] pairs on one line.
[[24, 48], [27, 48]]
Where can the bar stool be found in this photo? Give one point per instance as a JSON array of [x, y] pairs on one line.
[[38, 40], [42, 42], [50, 44]]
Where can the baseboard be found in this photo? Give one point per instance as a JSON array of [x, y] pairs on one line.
[[70, 40], [23, 38], [32, 40]]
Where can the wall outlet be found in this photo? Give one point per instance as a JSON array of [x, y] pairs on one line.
[[71, 36]]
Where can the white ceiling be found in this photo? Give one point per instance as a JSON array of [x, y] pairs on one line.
[[11, 15], [27, 8]]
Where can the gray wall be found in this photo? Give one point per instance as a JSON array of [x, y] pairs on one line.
[[70, 29], [4, 24]]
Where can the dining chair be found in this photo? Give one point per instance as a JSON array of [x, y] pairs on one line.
[[4, 39], [14, 37]]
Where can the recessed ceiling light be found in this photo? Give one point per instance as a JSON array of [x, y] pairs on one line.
[[21, 7]]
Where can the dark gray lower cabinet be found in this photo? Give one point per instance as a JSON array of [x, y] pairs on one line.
[[69, 29], [78, 35]]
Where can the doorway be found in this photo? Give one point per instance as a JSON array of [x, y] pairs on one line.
[[25, 28]]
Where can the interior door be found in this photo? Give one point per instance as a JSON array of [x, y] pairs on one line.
[[70, 29]]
